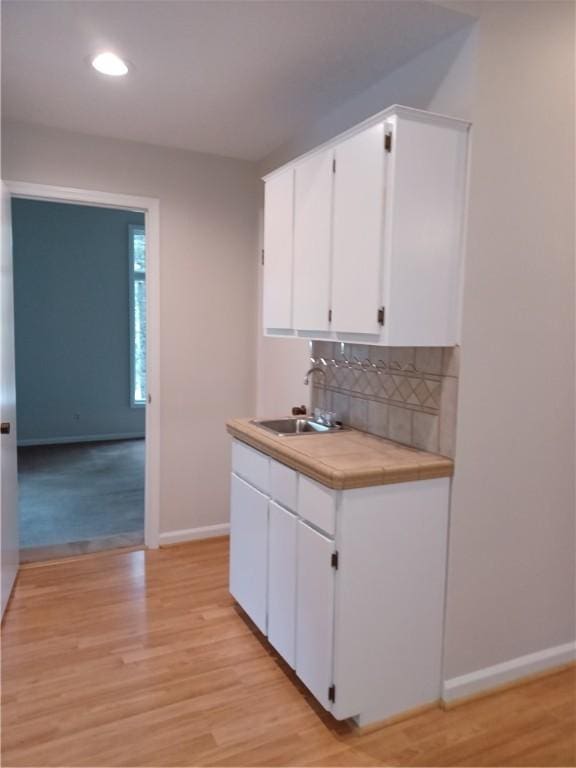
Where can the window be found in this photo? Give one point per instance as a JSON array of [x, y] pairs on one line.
[[137, 273]]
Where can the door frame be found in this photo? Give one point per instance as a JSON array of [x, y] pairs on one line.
[[150, 206]]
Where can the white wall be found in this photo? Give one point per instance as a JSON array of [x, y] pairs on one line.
[[208, 274], [282, 365], [439, 79], [512, 570], [511, 589]]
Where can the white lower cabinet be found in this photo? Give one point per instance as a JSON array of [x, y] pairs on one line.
[[348, 585], [282, 559], [249, 550], [315, 612]]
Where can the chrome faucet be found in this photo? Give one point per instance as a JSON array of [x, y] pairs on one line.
[[321, 415], [311, 371]]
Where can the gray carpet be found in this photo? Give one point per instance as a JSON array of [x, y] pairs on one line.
[[81, 491]]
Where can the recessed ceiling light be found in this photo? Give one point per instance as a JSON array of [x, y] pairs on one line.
[[109, 64]]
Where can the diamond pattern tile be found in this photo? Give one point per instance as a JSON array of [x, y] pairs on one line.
[[435, 392], [392, 380], [407, 382], [404, 388]]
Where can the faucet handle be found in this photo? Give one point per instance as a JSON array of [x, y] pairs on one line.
[[330, 418], [299, 410]]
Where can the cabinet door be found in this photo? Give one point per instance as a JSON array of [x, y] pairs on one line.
[[424, 241], [312, 241], [358, 220], [278, 250], [315, 612], [282, 582], [249, 549]]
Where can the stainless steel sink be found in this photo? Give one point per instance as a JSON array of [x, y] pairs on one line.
[[284, 427]]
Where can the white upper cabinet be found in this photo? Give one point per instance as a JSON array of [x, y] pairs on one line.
[[278, 247], [423, 230], [357, 232], [374, 254], [312, 242]]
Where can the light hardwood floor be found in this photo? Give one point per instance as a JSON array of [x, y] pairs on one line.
[[141, 658]]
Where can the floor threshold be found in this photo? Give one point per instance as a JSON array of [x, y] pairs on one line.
[[97, 545]]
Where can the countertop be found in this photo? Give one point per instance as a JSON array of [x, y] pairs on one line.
[[346, 459]]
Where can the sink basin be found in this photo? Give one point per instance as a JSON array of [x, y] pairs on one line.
[[299, 426]]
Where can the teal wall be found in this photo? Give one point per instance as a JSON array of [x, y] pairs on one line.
[[72, 322]]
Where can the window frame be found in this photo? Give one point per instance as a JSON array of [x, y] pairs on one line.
[[134, 276]]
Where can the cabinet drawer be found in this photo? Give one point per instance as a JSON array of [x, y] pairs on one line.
[[251, 465], [283, 485], [317, 504]]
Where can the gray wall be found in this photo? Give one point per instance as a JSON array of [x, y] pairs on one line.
[[72, 322], [511, 585]]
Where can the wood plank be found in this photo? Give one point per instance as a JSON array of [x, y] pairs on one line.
[[142, 658]]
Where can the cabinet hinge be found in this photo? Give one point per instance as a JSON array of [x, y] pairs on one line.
[[334, 560], [381, 315], [334, 165], [332, 693], [262, 256], [329, 315], [388, 141]]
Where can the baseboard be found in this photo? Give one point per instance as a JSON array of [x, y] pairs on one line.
[[79, 439], [407, 714], [491, 678], [8, 593], [192, 534]]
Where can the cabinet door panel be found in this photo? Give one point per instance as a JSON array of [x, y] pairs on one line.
[[249, 549], [358, 220], [278, 247], [428, 179], [312, 242], [282, 582], [315, 612]]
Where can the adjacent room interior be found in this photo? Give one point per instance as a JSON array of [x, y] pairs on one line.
[[80, 327]]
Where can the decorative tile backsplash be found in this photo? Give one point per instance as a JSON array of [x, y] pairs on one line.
[[407, 394]]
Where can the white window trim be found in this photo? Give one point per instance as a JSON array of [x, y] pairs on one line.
[[133, 275]]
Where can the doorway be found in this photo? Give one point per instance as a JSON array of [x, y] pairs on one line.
[[86, 319]]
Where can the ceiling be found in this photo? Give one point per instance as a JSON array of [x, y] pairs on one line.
[[229, 77]]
